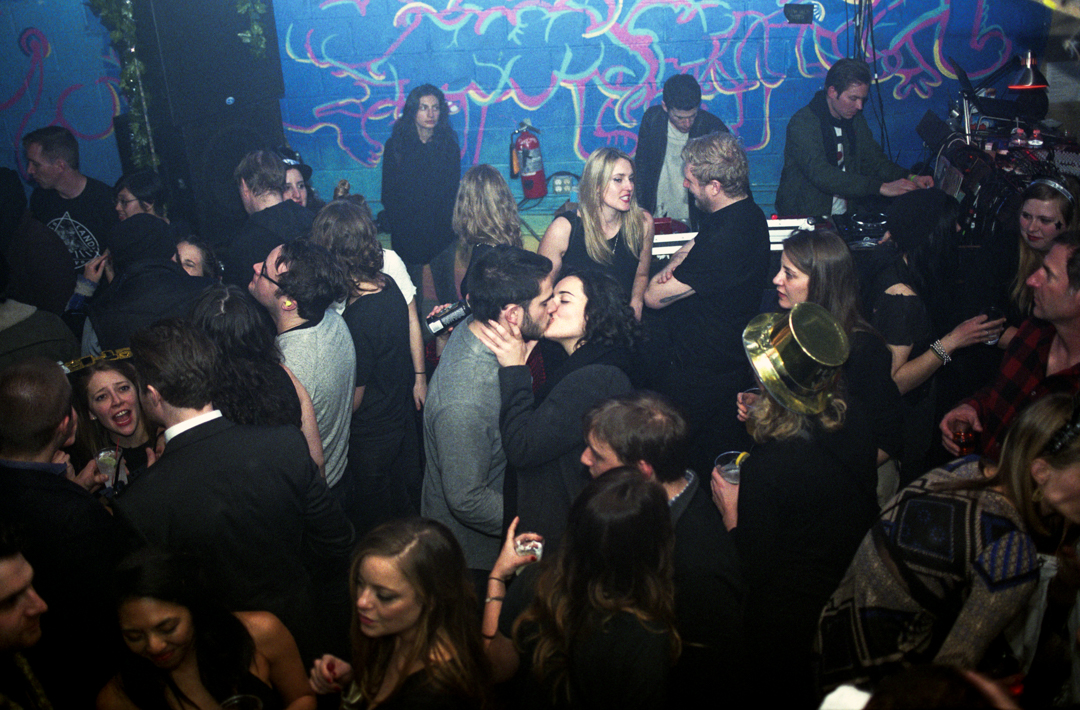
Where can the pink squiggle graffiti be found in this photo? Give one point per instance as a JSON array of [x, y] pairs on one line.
[[33, 44], [111, 84], [607, 96], [902, 60]]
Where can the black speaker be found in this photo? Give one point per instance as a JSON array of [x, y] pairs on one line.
[[196, 62], [211, 102], [198, 160]]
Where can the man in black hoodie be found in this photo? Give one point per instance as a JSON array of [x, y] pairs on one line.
[[271, 220]]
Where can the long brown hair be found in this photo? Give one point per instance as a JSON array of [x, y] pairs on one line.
[[448, 635], [615, 556], [91, 436], [832, 282]]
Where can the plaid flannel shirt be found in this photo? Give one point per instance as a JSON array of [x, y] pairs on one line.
[[1022, 379]]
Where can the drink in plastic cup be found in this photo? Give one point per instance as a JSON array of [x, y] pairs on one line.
[[729, 464], [993, 313], [964, 437], [106, 461]]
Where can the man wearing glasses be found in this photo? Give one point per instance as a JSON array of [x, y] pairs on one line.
[[297, 283]]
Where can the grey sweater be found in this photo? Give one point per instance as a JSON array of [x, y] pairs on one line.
[[463, 483], [323, 359]]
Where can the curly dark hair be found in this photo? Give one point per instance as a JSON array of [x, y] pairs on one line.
[[223, 646], [247, 381], [404, 131], [609, 319], [346, 230], [313, 279]]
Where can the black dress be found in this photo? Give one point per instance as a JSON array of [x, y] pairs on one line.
[[905, 321], [805, 503], [419, 188], [623, 266]]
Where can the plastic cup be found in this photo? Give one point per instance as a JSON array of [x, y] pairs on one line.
[[106, 461], [993, 313], [729, 464]]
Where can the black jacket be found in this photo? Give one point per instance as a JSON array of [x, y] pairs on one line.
[[146, 292], [251, 503], [649, 154], [263, 231]]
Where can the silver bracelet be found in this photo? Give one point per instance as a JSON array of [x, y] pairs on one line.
[[939, 350]]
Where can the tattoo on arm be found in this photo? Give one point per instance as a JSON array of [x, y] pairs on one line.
[[676, 296]]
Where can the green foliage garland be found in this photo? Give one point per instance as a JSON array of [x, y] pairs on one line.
[[117, 17], [254, 37]]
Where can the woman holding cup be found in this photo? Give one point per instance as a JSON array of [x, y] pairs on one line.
[[952, 560], [112, 424], [817, 267], [597, 628], [807, 493], [909, 309]]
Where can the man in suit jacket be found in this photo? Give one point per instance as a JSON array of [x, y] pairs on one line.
[[68, 537], [247, 500]]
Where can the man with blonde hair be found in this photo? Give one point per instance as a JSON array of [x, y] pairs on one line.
[[712, 288]]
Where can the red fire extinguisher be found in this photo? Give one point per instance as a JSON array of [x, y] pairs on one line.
[[525, 160]]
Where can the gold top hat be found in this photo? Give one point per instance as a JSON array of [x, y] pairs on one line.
[[797, 355]]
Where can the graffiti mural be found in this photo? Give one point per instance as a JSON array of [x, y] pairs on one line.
[[59, 70], [586, 72]]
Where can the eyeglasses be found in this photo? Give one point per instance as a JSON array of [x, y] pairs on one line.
[[122, 201], [267, 276]]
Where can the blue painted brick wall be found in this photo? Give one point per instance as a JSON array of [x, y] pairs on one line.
[[584, 72]]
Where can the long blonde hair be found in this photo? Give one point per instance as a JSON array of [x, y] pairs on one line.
[[1031, 259], [1029, 437], [770, 420], [485, 211], [594, 179]]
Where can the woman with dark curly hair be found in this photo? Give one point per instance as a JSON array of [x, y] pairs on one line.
[[253, 385], [541, 434], [382, 431], [420, 175], [188, 651], [597, 629]]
